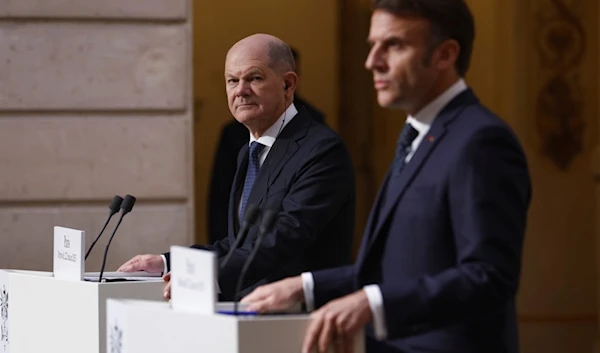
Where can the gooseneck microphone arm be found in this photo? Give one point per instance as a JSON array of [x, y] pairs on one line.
[[266, 225], [126, 207], [250, 218], [114, 208]]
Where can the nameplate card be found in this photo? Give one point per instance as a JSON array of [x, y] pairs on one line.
[[193, 277], [4, 313], [68, 262]]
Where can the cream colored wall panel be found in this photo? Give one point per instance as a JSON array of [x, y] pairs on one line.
[[557, 337], [147, 9], [93, 66], [83, 157], [559, 253], [26, 233]]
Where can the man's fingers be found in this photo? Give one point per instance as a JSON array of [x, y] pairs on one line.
[[327, 332], [312, 334], [148, 263], [254, 296], [124, 267], [257, 299], [130, 266], [167, 293], [344, 337], [258, 306], [263, 304]]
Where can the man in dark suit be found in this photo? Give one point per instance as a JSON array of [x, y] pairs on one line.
[[439, 265], [233, 136], [292, 165]]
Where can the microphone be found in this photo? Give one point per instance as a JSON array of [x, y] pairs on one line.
[[126, 207], [114, 208], [250, 217], [266, 225]]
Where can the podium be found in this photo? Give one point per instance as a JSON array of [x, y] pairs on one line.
[[49, 314], [154, 327]]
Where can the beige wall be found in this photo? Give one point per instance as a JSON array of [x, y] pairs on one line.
[[95, 100], [309, 25], [558, 292]]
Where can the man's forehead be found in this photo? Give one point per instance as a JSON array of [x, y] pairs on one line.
[[246, 52], [385, 25], [239, 67]]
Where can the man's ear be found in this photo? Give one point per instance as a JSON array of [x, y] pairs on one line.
[[447, 54], [290, 82]]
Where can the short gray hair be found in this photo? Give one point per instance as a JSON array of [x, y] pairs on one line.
[[280, 57]]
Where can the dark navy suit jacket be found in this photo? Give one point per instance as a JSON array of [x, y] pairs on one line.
[[233, 136], [308, 178], [444, 239]]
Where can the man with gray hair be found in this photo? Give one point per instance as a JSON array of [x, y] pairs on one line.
[[293, 165]]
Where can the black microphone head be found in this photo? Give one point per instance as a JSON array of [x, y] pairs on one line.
[[250, 215], [115, 204], [268, 221], [127, 204]]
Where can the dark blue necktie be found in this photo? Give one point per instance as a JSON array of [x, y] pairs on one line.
[[403, 147], [251, 174]]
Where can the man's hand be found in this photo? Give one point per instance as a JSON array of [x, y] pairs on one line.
[[167, 293], [338, 322], [148, 263], [277, 296]]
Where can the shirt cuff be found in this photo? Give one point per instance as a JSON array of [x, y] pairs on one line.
[[165, 268], [308, 286], [376, 303]]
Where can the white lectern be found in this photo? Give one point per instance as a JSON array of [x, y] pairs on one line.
[[150, 327], [49, 314]]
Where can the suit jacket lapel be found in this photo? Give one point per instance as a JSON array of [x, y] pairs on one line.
[[397, 185], [281, 152], [433, 137], [236, 190]]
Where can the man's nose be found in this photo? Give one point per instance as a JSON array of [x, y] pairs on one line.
[[374, 59], [242, 89]]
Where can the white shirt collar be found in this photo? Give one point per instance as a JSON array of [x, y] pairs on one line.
[[269, 137], [423, 119]]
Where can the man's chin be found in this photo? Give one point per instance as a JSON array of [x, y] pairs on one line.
[[390, 100], [244, 116], [386, 100]]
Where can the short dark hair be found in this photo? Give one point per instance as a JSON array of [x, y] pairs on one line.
[[280, 57], [449, 19]]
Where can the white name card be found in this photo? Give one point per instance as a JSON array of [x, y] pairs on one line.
[[68, 260], [193, 277], [4, 313]]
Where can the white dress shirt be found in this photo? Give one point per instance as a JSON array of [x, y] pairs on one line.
[[268, 139], [421, 121]]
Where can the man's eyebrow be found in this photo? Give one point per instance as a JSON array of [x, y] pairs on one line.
[[253, 71]]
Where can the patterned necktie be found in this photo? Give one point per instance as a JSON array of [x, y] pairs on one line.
[[251, 174], [403, 147]]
